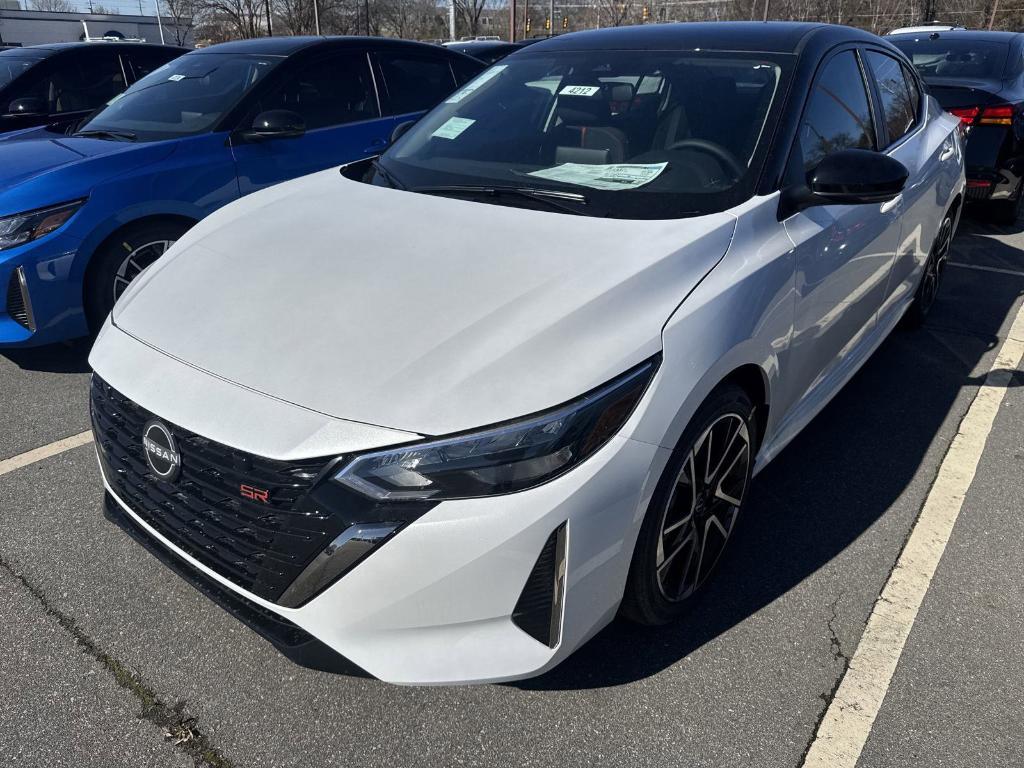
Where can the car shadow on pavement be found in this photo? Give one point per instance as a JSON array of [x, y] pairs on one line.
[[834, 481], [66, 357]]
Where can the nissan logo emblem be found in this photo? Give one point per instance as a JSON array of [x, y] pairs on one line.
[[161, 452]]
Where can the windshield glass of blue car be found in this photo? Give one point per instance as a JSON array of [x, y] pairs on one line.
[[629, 134], [950, 59], [186, 97]]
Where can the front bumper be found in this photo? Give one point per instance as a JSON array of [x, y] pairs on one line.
[[434, 604], [54, 288]]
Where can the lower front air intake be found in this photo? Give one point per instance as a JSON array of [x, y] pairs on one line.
[[538, 611]]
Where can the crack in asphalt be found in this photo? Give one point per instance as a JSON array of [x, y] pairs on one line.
[[180, 729], [836, 648]]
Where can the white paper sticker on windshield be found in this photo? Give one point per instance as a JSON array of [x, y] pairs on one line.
[[176, 78], [452, 127], [579, 90], [610, 177], [486, 76]]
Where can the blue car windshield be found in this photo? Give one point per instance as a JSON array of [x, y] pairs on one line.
[[185, 97]]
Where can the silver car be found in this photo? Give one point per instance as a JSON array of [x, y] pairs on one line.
[[448, 412]]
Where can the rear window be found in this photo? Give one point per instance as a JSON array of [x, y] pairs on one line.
[[952, 59], [12, 66]]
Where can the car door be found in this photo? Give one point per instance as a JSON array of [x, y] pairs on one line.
[[334, 94], [414, 82], [842, 253], [900, 107]]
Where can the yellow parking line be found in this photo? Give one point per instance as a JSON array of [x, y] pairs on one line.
[[844, 731], [45, 452]]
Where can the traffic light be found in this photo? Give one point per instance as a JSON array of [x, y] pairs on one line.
[[646, 13], [565, 23], [547, 24], [527, 25]]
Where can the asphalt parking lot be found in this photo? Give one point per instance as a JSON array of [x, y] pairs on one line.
[[109, 659]]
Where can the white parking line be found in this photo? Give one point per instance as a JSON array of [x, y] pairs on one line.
[[847, 723], [980, 268], [45, 452]]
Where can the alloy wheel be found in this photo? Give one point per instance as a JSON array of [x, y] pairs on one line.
[[136, 261], [702, 508], [936, 265]]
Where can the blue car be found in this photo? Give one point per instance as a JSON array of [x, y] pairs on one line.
[[84, 210]]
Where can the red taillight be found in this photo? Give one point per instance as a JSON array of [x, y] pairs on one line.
[[998, 114], [966, 114]]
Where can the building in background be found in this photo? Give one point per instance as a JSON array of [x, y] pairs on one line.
[[27, 27]]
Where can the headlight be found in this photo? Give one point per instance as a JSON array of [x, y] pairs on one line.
[[25, 227], [501, 459]]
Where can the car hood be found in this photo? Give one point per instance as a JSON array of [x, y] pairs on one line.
[[35, 172], [416, 312]]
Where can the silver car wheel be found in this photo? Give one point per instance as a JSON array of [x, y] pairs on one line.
[[136, 261]]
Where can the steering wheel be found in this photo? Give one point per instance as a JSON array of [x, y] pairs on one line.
[[717, 151]]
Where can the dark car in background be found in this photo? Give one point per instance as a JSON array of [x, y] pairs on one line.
[[979, 77], [64, 82], [489, 51]]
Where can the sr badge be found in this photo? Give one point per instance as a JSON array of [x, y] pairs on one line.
[[161, 452]]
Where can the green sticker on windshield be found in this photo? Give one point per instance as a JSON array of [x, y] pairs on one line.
[[610, 177], [453, 127]]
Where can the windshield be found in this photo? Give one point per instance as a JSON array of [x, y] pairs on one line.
[[640, 134], [13, 66], [185, 97], [950, 59]]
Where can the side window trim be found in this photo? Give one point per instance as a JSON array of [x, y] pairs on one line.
[[881, 130]]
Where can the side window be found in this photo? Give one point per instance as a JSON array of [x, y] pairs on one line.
[[837, 116], [415, 83], [76, 83], [326, 91], [146, 60], [915, 93], [897, 109]]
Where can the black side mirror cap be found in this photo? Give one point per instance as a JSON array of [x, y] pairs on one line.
[[275, 124], [400, 130], [28, 105], [847, 177]]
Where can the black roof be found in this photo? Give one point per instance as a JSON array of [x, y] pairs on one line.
[[754, 36], [49, 49], [285, 46]]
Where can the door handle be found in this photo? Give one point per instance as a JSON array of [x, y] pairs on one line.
[[891, 205], [376, 146], [947, 153]]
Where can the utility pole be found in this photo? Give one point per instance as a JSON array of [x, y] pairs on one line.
[[316, 16], [551, 16], [270, 21], [766, 3], [511, 21], [366, 12], [451, 19], [159, 22]]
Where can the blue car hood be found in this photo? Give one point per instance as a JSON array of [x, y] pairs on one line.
[[42, 171]]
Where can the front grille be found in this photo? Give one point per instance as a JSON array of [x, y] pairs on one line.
[[260, 546], [17, 307]]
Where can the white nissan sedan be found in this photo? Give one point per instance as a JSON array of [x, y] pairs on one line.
[[443, 416]]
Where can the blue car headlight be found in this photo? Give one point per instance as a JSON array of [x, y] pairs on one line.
[[25, 227], [501, 459]]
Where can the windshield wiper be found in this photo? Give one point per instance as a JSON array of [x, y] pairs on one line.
[[563, 201], [106, 133], [386, 175]]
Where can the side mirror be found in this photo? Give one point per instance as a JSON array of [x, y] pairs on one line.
[[848, 177], [28, 105], [400, 130], [858, 176], [275, 124]]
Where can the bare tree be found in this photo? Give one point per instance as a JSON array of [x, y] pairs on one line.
[[239, 18], [180, 18], [470, 11], [58, 6]]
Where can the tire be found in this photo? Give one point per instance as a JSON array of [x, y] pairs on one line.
[[673, 559], [931, 278], [1006, 212], [120, 260]]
